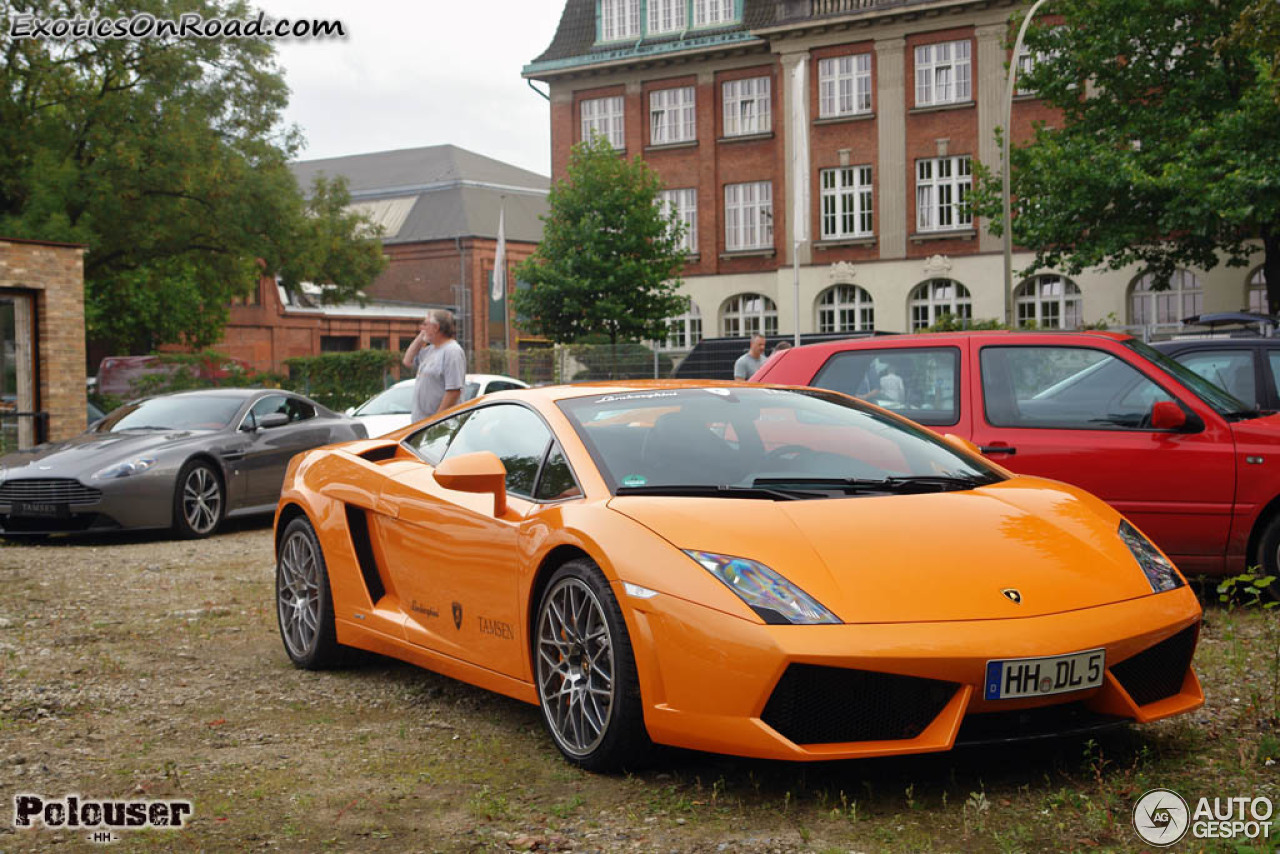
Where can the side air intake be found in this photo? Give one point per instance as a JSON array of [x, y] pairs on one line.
[[358, 525]]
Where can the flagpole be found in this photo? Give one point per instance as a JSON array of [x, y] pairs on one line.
[[506, 302], [800, 180]]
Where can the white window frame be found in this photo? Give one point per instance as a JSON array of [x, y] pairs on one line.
[[845, 196], [1256, 292], [846, 308], [744, 315], [667, 16], [673, 116], [747, 106], [1050, 302], [748, 216], [944, 73], [714, 13], [933, 298], [605, 117], [942, 193], [1184, 297], [844, 85], [619, 19], [683, 331], [684, 202]]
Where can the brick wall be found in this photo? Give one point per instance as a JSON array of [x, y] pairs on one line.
[[52, 277]]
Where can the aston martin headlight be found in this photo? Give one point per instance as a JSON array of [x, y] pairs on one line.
[[126, 468], [774, 599], [1154, 565]]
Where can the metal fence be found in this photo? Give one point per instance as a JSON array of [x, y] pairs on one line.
[[576, 362]]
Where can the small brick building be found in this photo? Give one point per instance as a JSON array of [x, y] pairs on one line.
[[42, 348]]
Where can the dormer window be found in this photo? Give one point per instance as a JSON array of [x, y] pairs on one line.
[[619, 19]]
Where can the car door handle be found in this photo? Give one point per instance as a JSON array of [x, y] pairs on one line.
[[998, 449]]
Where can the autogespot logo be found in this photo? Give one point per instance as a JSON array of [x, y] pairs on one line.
[[1161, 817]]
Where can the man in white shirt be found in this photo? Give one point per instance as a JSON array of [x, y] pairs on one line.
[[749, 362], [440, 364]]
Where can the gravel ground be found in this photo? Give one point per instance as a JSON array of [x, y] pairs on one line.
[[137, 667]]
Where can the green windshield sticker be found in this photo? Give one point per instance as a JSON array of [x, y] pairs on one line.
[[635, 480]]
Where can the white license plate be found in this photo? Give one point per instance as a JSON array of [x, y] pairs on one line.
[[1011, 678]]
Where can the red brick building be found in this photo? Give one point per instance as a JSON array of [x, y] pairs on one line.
[[42, 349], [900, 99], [439, 208]]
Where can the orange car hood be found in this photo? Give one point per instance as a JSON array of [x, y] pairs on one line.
[[908, 558]]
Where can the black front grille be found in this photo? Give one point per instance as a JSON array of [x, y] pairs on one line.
[[71, 524], [48, 490], [823, 705], [1157, 672], [1028, 724]]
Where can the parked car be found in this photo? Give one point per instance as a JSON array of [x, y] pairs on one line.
[[1192, 466], [117, 374], [769, 572], [1243, 362], [391, 409], [183, 461]]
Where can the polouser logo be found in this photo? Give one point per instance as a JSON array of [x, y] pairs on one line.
[[1161, 817]]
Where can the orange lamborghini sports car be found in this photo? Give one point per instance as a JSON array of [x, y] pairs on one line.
[[763, 571]]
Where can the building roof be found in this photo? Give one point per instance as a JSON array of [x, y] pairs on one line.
[[437, 193], [575, 40]]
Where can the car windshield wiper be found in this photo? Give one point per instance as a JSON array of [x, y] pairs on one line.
[[142, 427], [1243, 414], [895, 484], [721, 491]]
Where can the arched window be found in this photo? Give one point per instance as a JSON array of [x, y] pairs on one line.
[[936, 297], [684, 331], [845, 308], [1049, 302], [1257, 289], [1184, 298], [747, 314]]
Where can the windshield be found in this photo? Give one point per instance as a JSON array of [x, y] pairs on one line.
[[1222, 401], [761, 440], [185, 412], [397, 400]]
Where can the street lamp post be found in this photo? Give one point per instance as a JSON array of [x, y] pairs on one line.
[[1008, 144]]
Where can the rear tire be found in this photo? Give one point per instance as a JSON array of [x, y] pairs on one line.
[[585, 672], [1269, 558], [304, 600], [199, 501]]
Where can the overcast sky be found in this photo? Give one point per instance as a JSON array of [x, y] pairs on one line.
[[410, 74]]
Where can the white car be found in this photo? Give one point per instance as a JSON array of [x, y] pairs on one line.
[[392, 409]]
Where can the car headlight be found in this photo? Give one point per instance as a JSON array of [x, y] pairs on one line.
[[1154, 565], [126, 468], [774, 599]]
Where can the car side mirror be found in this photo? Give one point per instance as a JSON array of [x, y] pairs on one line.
[[479, 472], [962, 443], [1167, 415], [272, 420]]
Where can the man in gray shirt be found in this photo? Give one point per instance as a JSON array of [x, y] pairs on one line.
[[440, 364], [749, 362]]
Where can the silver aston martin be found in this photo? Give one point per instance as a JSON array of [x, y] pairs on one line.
[[184, 461]]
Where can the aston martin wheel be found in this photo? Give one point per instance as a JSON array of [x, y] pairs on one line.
[[586, 673], [304, 602], [198, 500]]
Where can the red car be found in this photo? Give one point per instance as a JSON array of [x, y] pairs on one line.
[[1196, 469]]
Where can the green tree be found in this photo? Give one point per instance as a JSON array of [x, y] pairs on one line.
[[167, 158], [1167, 154], [610, 258]]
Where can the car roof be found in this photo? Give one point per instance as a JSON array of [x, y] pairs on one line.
[[1215, 342], [929, 338], [471, 378]]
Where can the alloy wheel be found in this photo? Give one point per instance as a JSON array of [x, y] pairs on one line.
[[575, 666], [201, 500], [298, 593]]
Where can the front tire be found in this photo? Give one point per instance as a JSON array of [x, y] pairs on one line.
[[1269, 558], [199, 501], [304, 601], [586, 673]]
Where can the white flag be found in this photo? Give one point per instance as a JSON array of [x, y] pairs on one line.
[[800, 160], [500, 260]]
